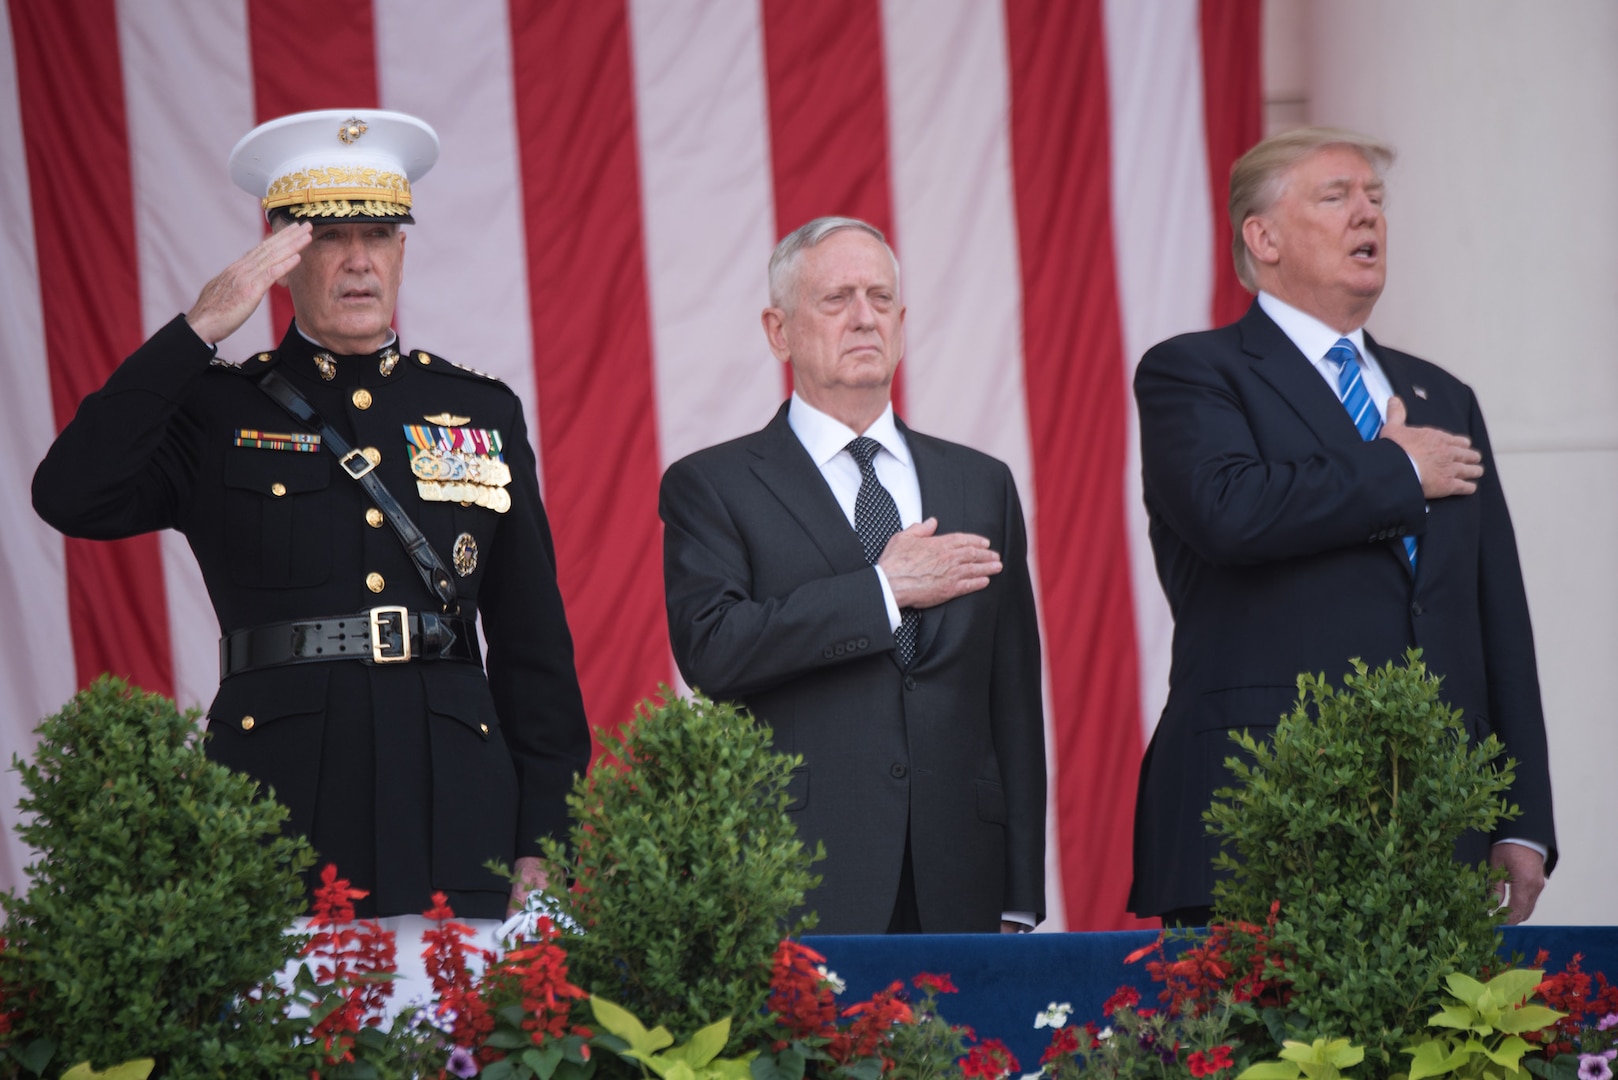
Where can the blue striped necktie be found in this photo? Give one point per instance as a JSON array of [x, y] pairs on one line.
[[1356, 399]]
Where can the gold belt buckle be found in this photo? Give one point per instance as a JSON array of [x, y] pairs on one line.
[[379, 653]]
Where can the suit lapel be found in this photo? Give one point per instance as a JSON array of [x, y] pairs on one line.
[[785, 468], [942, 498], [1278, 362]]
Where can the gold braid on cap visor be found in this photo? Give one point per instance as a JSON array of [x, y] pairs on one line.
[[340, 192]]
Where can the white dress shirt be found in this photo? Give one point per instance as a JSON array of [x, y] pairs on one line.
[[826, 439]]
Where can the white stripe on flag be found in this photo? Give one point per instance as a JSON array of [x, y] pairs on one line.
[[949, 124], [1163, 239], [466, 276], [709, 217], [190, 223], [36, 653]]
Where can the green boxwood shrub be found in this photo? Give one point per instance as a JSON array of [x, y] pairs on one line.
[[685, 869], [161, 893], [1350, 818]]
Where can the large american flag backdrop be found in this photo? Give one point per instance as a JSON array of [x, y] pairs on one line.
[[614, 176]]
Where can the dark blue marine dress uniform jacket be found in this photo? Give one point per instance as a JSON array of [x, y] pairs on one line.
[[409, 776]]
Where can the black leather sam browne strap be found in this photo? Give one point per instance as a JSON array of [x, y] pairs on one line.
[[358, 466]]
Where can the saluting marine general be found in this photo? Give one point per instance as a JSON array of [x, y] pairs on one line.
[[355, 508]]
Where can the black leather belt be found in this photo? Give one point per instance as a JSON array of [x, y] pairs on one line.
[[382, 635]]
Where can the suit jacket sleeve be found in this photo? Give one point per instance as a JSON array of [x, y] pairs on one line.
[[530, 655], [1515, 711], [119, 468], [1018, 720], [1208, 473], [729, 638]]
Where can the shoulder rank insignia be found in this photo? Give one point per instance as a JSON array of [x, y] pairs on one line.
[[438, 363], [220, 361], [459, 464]]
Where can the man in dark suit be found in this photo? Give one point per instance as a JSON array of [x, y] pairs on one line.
[[352, 681], [1315, 496], [897, 654]]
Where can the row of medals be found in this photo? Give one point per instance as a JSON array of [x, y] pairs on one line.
[[455, 476]]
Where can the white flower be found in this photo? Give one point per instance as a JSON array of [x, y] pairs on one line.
[[830, 979], [1054, 1016], [525, 924], [1033, 1075], [1104, 1034]]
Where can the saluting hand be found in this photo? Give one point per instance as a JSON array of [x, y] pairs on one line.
[[925, 570], [227, 301], [1447, 463]]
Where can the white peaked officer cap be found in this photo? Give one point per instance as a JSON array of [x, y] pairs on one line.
[[336, 164]]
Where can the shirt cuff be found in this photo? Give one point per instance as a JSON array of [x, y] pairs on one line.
[[1021, 918], [894, 618], [1544, 852]]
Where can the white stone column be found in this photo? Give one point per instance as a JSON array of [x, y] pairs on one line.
[[1503, 247]]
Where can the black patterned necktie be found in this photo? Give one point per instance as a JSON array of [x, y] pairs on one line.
[[876, 519]]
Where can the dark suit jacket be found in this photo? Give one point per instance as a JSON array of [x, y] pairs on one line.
[[409, 776], [771, 603], [1276, 530]]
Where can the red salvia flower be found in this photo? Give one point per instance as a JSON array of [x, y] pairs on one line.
[[350, 959], [445, 955]]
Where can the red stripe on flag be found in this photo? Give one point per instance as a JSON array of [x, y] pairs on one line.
[[1233, 115], [575, 101], [828, 115], [1074, 365], [309, 54], [71, 98]]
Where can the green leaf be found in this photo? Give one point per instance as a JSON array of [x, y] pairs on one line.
[[1460, 1017], [1434, 1058], [864, 1069], [1528, 1018], [730, 1069], [623, 1023], [1510, 987], [506, 1039], [1509, 1052], [35, 1056], [575, 1070], [676, 1070], [137, 1069], [504, 1069], [543, 1060], [789, 1064], [705, 1045], [1271, 1070]]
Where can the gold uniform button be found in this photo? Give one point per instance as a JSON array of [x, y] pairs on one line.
[[247, 723], [362, 398], [374, 582], [373, 518], [264, 357], [278, 489], [484, 728], [373, 455], [424, 358]]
